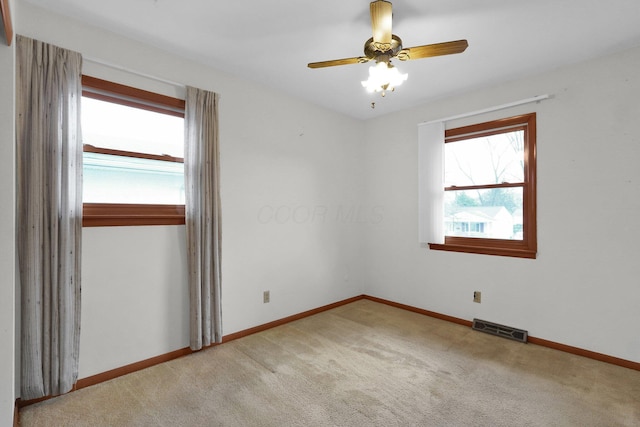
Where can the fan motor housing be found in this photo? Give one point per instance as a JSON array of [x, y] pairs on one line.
[[372, 50]]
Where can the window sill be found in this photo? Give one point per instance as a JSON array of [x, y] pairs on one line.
[[485, 250], [110, 215]]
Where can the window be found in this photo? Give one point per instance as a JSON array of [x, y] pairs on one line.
[[133, 167], [490, 188]]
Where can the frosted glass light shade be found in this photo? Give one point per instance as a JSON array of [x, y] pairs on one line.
[[382, 77]]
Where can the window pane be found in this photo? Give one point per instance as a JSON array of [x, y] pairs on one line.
[[494, 213], [118, 127], [490, 159], [119, 179]]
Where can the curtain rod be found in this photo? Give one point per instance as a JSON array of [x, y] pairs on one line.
[[537, 98], [130, 71]]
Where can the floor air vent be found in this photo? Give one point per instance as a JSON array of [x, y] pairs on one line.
[[500, 330]]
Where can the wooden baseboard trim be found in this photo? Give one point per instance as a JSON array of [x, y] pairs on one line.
[[533, 340], [137, 366], [288, 319], [421, 311], [128, 369], [124, 370], [586, 353], [22, 403], [114, 373]]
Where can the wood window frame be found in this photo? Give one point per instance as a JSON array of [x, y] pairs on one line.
[[527, 247], [114, 214], [120, 214], [6, 21]]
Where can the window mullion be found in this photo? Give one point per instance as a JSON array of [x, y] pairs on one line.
[[486, 186], [99, 150]]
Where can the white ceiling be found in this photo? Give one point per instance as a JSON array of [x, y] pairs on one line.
[[271, 42]]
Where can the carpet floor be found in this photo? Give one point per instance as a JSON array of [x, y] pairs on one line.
[[361, 364]]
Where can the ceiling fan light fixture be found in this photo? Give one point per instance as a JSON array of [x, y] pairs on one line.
[[384, 46], [383, 77]]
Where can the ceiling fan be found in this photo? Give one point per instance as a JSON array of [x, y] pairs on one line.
[[384, 46]]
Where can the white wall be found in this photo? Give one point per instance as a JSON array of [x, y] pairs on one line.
[[277, 153], [582, 290], [7, 231], [134, 299]]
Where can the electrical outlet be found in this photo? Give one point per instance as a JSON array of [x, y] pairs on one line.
[[266, 297], [477, 296]]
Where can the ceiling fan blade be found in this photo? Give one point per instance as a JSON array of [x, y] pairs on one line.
[[437, 49], [334, 62], [381, 17], [429, 50]]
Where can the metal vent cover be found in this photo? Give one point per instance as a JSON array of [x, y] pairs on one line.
[[500, 330]]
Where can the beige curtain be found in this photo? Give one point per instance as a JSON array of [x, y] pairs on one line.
[[202, 216], [49, 215]]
